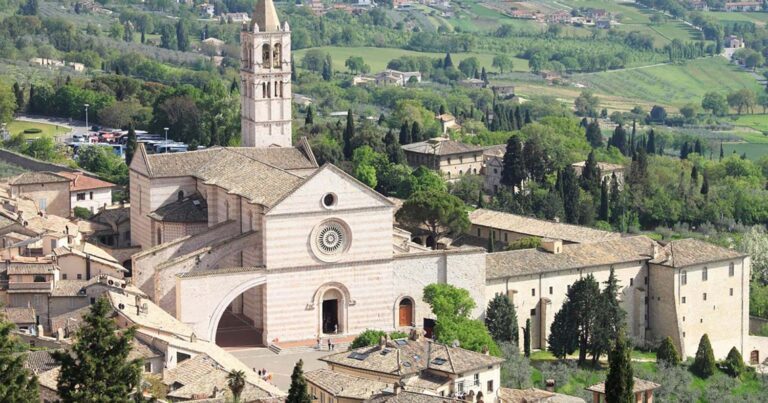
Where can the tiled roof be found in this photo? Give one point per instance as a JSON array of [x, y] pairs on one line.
[[49, 379], [39, 361], [408, 397], [79, 181], [201, 375], [85, 250], [262, 175], [507, 395], [539, 228], [497, 150], [69, 288], [406, 356], [153, 317], [343, 385], [603, 166], [441, 147], [533, 261], [18, 315], [640, 385], [188, 210], [31, 178], [112, 215], [140, 349], [30, 268], [687, 252]]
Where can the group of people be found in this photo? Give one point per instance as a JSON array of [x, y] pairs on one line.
[[263, 374], [319, 345]]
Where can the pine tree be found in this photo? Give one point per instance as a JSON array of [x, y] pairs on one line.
[[609, 318], [604, 206], [97, 368], [349, 133], [182, 41], [447, 62], [619, 382], [650, 146], [513, 172], [501, 320], [734, 363], [570, 194], [594, 134], [236, 384], [527, 338], [298, 392], [667, 353], [130, 145], [405, 134], [563, 335], [704, 364], [17, 384], [310, 118], [416, 132]]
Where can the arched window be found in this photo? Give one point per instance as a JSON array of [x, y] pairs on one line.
[[281, 89], [405, 312], [159, 236], [277, 55], [277, 89], [269, 90], [266, 56]]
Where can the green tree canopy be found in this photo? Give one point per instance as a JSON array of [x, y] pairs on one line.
[[441, 213], [667, 353], [704, 363], [17, 384], [619, 381], [448, 301], [501, 320], [298, 391]]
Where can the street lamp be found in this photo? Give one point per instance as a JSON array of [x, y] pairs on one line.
[[86, 117], [166, 138]]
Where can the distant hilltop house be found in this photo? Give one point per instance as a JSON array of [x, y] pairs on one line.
[[603, 24], [522, 14], [472, 83], [503, 91], [389, 77], [234, 18], [448, 122], [91, 6], [206, 10], [451, 158], [734, 42], [741, 6], [606, 171], [402, 4], [316, 6], [215, 43], [493, 164], [558, 17], [57, 63], [698, 5]]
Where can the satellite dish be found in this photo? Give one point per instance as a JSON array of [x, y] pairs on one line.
[[110, 282]]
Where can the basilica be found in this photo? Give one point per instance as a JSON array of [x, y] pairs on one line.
[[262, 235]]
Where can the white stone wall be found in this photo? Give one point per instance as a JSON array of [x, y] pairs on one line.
[[72, 265], [484, 376], [94, 199]]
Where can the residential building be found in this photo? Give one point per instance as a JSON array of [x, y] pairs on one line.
[[397, 78], [641, 389], [493, 165], [24, 318], [744, 6], [447, 122], [235, 18], [472, 83], [451, 158], [88, 192], [503, 91], [533, 395], [606, 171], [60, 192], [112, 226]]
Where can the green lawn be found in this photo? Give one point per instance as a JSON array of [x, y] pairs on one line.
[[378, 58], [672, 84], [18, 126]]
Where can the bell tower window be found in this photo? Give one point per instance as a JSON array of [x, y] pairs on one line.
[[266, 56], [277, 55]]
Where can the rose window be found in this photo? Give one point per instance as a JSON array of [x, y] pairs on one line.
[[330, 240]]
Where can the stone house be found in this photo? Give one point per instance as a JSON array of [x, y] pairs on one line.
[[606, 171], [88, 192], [112, 226], [84, 261], [451, 158], [642, 389], [59, 193], [415, 364]]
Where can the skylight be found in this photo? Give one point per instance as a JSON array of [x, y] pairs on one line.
[[439, 361], [358, 356]]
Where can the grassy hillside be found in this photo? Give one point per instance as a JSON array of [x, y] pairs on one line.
[[378, 58]]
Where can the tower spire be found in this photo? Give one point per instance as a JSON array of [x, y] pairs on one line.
[[265, 16]]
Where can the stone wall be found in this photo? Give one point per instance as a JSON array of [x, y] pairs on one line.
[[30, 163]]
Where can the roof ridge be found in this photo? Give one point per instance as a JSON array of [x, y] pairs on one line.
[[261, 162]]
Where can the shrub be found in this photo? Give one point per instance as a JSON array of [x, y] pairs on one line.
[[367, 338], [734, 363], [525, 243], [82, 212], [33, 130], [667, 353], [704, 363]]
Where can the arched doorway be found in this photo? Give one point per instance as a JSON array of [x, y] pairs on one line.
[[754, 357], [242, 322], [332, 312], [405, 313]]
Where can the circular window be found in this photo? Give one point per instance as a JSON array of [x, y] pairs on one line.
[[330, 239], [329, 200]]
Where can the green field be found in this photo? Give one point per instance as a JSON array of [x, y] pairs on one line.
[[18, 126], [755, 143], [759, 19], [671, 84], [378, 58]]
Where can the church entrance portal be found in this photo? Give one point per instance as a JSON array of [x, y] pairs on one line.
[[331, 316]]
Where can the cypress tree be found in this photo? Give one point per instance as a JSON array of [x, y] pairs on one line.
[[501, 320], [667, 353], [594, 134], [697, 147], [609, 318], [18, 92], [32, 107], [527, 338], [393, 149], [518, 119], [182, 41], [442, 110], [327, 73], [584, 123], [513, 172], [684, 151], [17, 384], [447, 62], [349, 133], [734, 363], [590, 175], [721, 143], [298, 392], [617, 207], [416, 135], [535, 159], [480, 201], [694, 175], [382, 120], [704, 364], [705, 186], [130, 145], [310, 118], [570, 195], [97, 367], [619, 381], [563, 333], [528, 119], [604, 206], [650, 146], [405, 133], [491, 242]]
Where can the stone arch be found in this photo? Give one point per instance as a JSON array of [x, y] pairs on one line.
[[266, 56], [328, 292], [227, 299], [401, 303], [277, 54]]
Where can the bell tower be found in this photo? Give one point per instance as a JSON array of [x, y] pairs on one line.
[[265, 79]]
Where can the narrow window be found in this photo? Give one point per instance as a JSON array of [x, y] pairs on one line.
[[490, 386], [730, 269], [704, 274], [477, 379], [79, 276], [533, 292], [550, 290], [731, 291], [63, 276], [533, 312], [478, 232], [90, 195], [705, 296], [684, 277], [631, 282], [683, 299]]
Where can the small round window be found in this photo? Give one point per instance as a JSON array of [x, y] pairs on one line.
[[329, 200]]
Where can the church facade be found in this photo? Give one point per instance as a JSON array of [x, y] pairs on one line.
[[298, 251]]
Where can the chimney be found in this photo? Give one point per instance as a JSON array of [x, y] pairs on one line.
[[138, 305], [554, 246], [550, 385], [382, 342], [397, 388], [485, 350]]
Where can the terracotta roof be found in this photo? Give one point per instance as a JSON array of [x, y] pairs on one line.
[[140, 349], [88, 250], [32, 178], [406, 356], [201, 375], [112, 215], [188, 210], [23, 315], [539, 228], [640, 385], [49, 379], [342, 385], [687, 252], [497, 150], [573, 256], [440, 146], [408, 397], [79, 181], [70, 288], [39, 361], [30, 268], [531, 395]]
